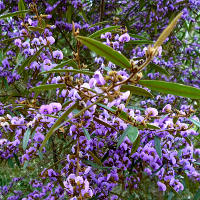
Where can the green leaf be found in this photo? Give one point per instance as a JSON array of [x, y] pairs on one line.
[[82, 13], [102, 31], [158, 69], [132, 133], [13, 14], [17, 160], [135, 90], [105, 51], [21, 7], [87, 135], [197, 195], [69, 14], [57, 123], [29, 60], [104, 123], [138, 36], [99, 23], [158, 146], [136, 144], [26, 138], [47, 87], [69, 62], [195, 122], [9, 39], [121, 115], [172, 88], [76, 71], [10, 163], [139, 42], [33, 28], [151, 126]]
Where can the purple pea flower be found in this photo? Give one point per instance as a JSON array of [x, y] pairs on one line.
[[99, 78], [46, 109], [58, 54], [56, 106], [151, 112], [161, 186], [124, 38]]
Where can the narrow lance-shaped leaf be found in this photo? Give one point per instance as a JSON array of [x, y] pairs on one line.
[[158, 69], [172, 88], [105, 51], [13, 14], [21, 7], [195, 122], [121, 139], [99, 23], [102, 31], [135, 90], [76, 71], [139, 42], [69, 62], [158, 146], [47, 87], [167, 31], [104, 123], [29, 60], [57, 123], [26, 138], [69, 14]]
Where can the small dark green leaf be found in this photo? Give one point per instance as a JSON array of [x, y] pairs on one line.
[[82, 13], [197, 195], [172, 88], [96, 159], [47, 87], [132, 133], [21, 7], [9, 39], [87, 135], [26, 138], [57, 123], [195, 122], [13, 14], [102, 31], [104, 123], [151, 126], [29, 60], [105, 51], [76, 71], [158, 146], [17, 160], [135, 90], [158, 69]]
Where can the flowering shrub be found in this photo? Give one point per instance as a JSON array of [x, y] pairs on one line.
[[97, 102]]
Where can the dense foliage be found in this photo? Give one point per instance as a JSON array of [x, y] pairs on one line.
[[99, 99]]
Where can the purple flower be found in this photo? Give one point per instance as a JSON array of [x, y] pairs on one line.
[[124, 38], [58, 54], [46, 109], [167, 108], [56, 106], [18, 42], [50, 40], [161, 186], [99, 78], [151, 112]]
